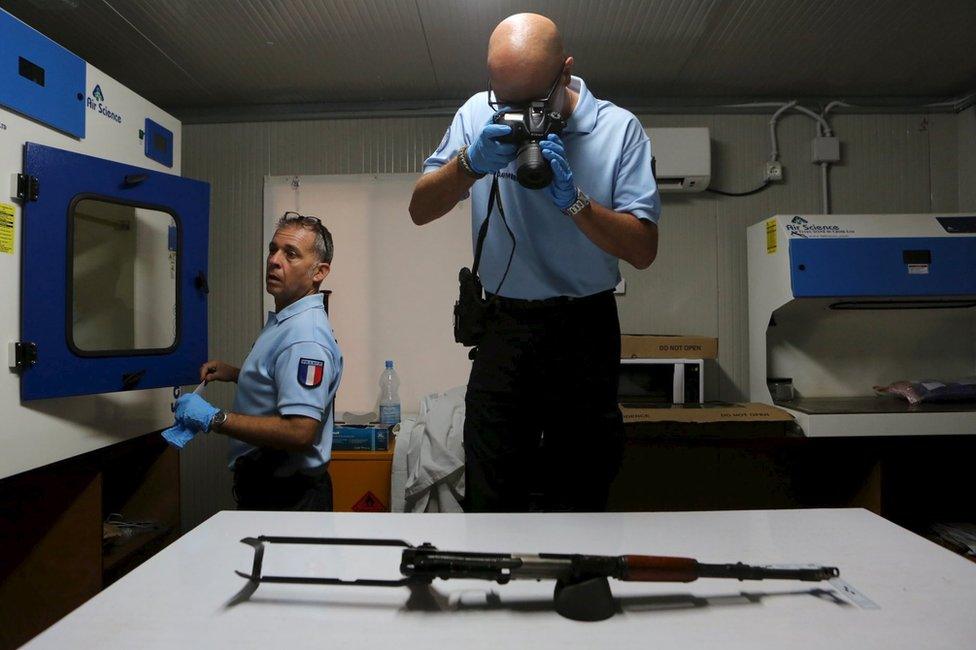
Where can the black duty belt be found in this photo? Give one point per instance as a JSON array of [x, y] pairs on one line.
[[520, 304]]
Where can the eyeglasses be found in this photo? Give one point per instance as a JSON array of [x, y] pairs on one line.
[[290, 215], [304, 219], [497, 105]]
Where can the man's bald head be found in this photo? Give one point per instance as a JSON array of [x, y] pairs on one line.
[[525, 53]]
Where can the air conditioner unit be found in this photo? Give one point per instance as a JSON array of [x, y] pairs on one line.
[[682, 158]]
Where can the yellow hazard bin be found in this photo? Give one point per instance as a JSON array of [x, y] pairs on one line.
[[361, 480]]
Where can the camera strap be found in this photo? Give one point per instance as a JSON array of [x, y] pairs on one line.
[[493, 196], [471, 308], [483, 232]]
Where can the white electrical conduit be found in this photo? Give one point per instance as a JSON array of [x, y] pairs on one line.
[[823, 129], [830, 106], [821, 122], [774, 154], [825, 167], [824, 187]]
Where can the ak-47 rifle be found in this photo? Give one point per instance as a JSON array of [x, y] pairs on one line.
[[582, 591]]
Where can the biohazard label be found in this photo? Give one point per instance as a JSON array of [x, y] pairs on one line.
[[771, 236], [6, 228], [369, 502]]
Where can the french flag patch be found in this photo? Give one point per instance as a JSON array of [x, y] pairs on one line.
[[310, 372]]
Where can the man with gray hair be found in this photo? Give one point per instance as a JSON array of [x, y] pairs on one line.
[[282, 422]]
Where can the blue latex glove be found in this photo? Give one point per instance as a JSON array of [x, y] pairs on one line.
[[178, 435], [487, 154], [194, 413], [562, 190]]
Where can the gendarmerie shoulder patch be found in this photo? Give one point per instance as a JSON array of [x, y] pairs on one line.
[[310, 372]]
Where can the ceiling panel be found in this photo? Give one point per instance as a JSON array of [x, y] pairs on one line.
[[619, 44], [186, 54], [858, 47], [295, 51]]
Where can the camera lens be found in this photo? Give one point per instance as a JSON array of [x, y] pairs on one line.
[[531, 169]]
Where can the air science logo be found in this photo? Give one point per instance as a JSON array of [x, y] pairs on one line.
[[96, 103], [800, 227]]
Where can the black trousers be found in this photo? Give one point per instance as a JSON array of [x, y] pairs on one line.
[[257, 488], [542, 415]]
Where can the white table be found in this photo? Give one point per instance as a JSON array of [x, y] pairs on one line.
[[179, 598]]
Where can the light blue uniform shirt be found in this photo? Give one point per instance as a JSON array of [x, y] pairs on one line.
[[293, 368], [610, 156]]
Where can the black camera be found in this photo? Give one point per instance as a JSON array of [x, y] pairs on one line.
[[530, 125]]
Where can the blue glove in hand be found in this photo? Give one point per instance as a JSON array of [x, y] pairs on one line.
[[178, 435], [194, 412], [487, 154], [562, 190]]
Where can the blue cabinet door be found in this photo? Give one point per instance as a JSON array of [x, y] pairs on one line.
[[878, 267], [50, 314]]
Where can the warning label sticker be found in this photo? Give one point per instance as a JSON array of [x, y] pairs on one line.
[[369, 502], [771, 236], [6, 228]]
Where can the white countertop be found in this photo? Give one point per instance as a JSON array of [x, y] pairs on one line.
[[179, 598]]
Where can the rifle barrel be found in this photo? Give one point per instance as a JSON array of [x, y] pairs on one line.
[[432, 563]]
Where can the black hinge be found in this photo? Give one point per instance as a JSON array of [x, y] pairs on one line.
[[27, 187], [24, 354]]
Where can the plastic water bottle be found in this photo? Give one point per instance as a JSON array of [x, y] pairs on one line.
[[389, 398]]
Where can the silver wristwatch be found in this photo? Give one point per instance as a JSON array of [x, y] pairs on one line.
[[218, 420], [581, 203]]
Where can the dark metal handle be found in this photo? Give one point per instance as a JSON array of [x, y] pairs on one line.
[[130, 379], [132, 180], [201, 282]]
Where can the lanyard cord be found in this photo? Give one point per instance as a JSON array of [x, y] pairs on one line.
[[483, 232]]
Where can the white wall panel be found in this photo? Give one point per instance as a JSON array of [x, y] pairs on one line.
[[234, 159]]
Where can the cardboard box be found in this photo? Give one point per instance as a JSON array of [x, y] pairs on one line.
[[712, 420], [360, 437], [708, 413], [660, 346]]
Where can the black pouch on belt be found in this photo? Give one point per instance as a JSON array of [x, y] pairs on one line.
[[470, 310]]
